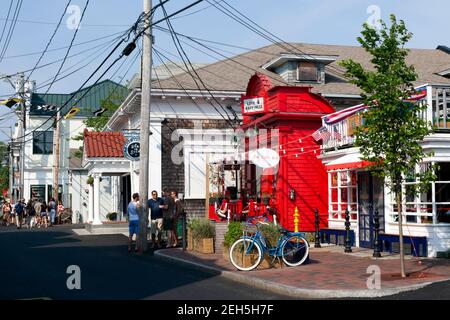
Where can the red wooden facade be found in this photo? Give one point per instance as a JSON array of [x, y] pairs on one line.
[[296, 112]]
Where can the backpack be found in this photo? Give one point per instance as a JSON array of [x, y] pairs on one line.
[[19, 208]]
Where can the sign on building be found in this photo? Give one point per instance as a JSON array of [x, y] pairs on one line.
[[253, 106], [132, 147]]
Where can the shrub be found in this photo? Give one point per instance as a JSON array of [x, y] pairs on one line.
[[271, 233], [234, 232], [112, 216], [201, 229]]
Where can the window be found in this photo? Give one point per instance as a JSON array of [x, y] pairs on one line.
[[37, 191], [343, 195], [434, 202], [42, 142], [307, 71], [50, 192]]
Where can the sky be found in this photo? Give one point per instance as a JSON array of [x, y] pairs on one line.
[[306, 21]]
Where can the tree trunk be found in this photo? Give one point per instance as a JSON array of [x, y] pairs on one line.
[[400, 231]]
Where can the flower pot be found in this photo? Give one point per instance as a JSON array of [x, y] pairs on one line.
[[204, 245]]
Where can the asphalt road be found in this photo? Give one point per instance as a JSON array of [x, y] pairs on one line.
[[35, 262]]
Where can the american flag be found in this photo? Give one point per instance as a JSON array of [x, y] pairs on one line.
[[321, 133], [336, 134]]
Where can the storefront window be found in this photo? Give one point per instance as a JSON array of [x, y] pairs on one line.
[[419, 208], [343, 195]]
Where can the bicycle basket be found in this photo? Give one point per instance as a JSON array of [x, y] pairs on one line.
[[249, 229]]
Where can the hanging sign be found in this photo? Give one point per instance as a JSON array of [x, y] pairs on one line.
[[131, 149], [253, 106], [264, 157]]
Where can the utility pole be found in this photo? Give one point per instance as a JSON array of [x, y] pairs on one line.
[[56, 141], [145, 123], [21, 92]]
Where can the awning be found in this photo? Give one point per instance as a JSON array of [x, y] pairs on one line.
[[349, 161]]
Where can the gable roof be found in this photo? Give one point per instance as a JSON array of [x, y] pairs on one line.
[[103, 144], [88, 104], [233, 74]]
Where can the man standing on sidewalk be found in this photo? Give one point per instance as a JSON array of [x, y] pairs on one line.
[[133, 220], [156, 206]]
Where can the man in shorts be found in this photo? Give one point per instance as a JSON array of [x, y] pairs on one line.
[[133, 220], [156, 206]]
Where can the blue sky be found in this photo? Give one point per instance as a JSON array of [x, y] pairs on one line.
[[310, 21]]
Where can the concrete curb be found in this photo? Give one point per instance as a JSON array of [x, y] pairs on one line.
[[293, 291]]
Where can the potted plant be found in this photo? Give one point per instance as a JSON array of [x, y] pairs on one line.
[[203, 233], [234, 232], [112, 216], [271, 234], [90, 180]]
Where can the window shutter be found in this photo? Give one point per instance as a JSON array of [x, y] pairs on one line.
[[307, 71]]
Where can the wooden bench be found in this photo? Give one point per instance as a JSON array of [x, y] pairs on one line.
[[325, 236], [417, 243]]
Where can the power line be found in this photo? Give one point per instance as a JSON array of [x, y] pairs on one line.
[[180, 47], [124, 52], [12, 27], [6, 21], [267, 34], [51, 38], [70, 46]]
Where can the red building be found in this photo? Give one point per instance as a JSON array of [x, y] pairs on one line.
[[285, 118]]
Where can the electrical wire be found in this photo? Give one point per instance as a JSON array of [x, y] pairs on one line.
[[268, 35], [51, 39], [179, 48], [6, 21], [12, 27], [70, 46]]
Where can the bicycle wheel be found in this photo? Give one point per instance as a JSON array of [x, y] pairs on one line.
[[295, 250], [245, 254]]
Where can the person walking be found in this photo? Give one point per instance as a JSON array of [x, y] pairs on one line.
[[60, 211], [52, 211], [168, 218], [133, 221], [6, 212], [178, 210], [44, 214], [19, 209], [37, 210], [31, 213], [156, 206]]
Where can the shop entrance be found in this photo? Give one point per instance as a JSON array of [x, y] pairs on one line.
[[370, 198]]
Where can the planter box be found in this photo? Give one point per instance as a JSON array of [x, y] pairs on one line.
[[204, 245], [226, 253]]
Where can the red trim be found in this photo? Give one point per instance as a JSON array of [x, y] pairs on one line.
[[349, 165]]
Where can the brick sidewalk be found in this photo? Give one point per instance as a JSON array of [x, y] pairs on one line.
[[330, 269]]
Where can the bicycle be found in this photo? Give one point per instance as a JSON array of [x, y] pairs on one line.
[[247, 252]]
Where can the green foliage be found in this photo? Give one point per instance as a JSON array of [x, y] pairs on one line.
[[112, 216], [271, 233], [111, 104], [393, 129], [234, 232], [4, 166], [90, 180], [201, 229]]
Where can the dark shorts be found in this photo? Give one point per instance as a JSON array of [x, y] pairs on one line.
[[133, 227], [168, 224]]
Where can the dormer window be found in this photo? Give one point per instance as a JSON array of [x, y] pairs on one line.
[[307, 71], [297, 68]]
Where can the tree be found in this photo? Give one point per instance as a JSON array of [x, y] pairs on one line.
[[4, 167], [111, 103], [393, 130]]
